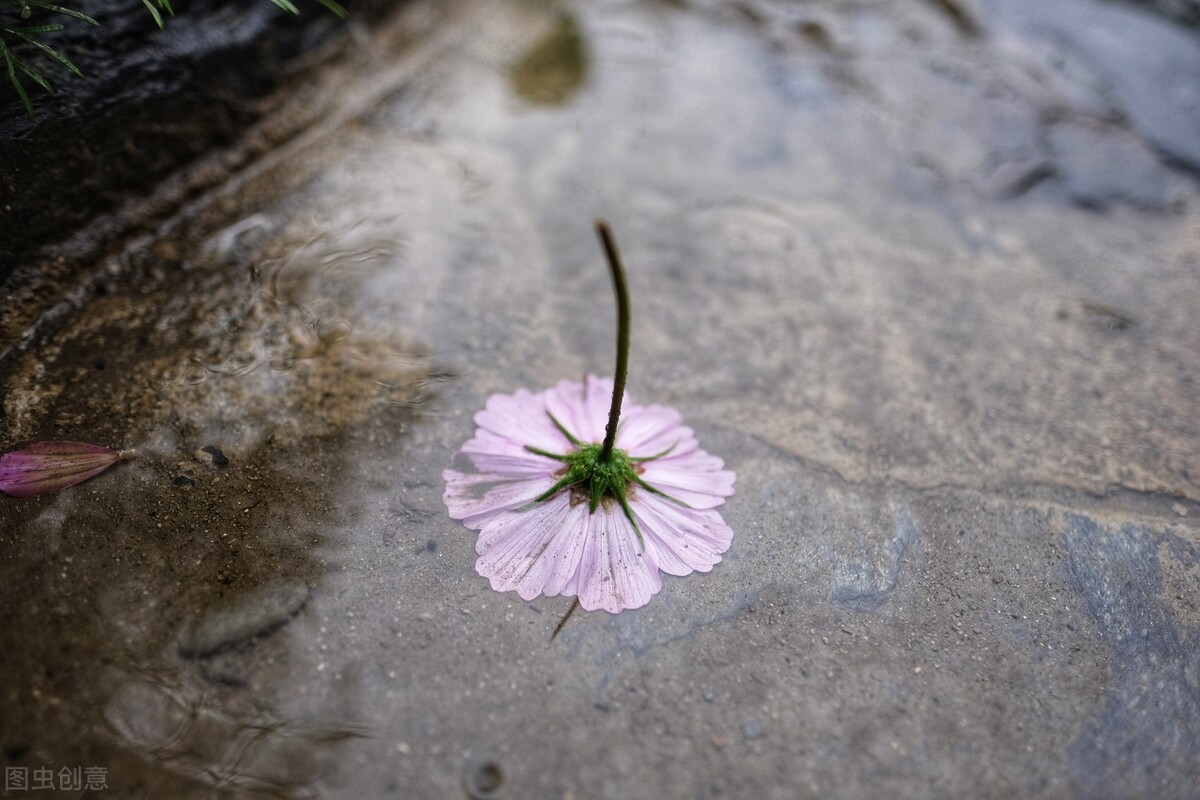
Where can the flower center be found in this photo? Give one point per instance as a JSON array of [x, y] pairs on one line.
[[597, 479], [598, 475]]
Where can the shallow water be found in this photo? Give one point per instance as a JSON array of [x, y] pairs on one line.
[[923, 275]]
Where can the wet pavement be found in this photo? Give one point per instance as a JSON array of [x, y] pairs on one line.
[[924, 275]]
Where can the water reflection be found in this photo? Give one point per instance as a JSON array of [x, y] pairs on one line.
[[227, 742], [154, 611], [554, 67]]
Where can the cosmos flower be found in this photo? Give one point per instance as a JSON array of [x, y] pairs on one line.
[[570, 499], [553, 522]]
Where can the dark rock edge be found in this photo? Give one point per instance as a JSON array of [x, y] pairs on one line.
[[152, 103]]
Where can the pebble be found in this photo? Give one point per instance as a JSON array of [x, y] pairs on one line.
[[754, 729], [213, 454], [256, 613], [225, 669]]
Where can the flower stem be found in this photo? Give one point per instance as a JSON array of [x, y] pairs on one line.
[[618, 276], [566, 617]]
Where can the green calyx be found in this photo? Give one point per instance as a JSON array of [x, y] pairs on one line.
[[594, 478], [599, 476]]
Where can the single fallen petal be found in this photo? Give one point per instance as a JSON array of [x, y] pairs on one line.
[[50, 466]]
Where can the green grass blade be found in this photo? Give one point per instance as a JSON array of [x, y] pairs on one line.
[[158, 20], [335, 7], [35, 76], [64, 11], [287, 5], [38, 28], [50, 51], [16, 82]]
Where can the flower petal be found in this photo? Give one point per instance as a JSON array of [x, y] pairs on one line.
[[468, 498], [649, 430], [568, 553], [614, 574], [521, 418], [582, 408], [695, 478], [535, 552], [50, 466], [681, 540], [598, 402], [502, 457]]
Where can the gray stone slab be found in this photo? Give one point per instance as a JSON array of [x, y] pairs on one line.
[[959, 400]]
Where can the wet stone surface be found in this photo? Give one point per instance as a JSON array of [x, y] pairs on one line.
[[256, 614], [923, 274]]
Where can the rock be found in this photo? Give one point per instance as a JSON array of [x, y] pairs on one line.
[[1144, 65], [1101, 166], [864, 583], [251, 615], [754, 729], [213, 454], [151, 101], [959, 565], [226, 668], [1123, 578]]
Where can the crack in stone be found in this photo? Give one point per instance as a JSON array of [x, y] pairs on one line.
[[1003, 490]]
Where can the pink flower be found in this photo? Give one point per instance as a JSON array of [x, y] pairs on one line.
[[544, 529]]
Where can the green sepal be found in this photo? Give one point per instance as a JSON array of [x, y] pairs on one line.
[[633, 522], [567, 480], [598, 479], [540, 452], [563, 430], [644, 459], [638, 480]]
